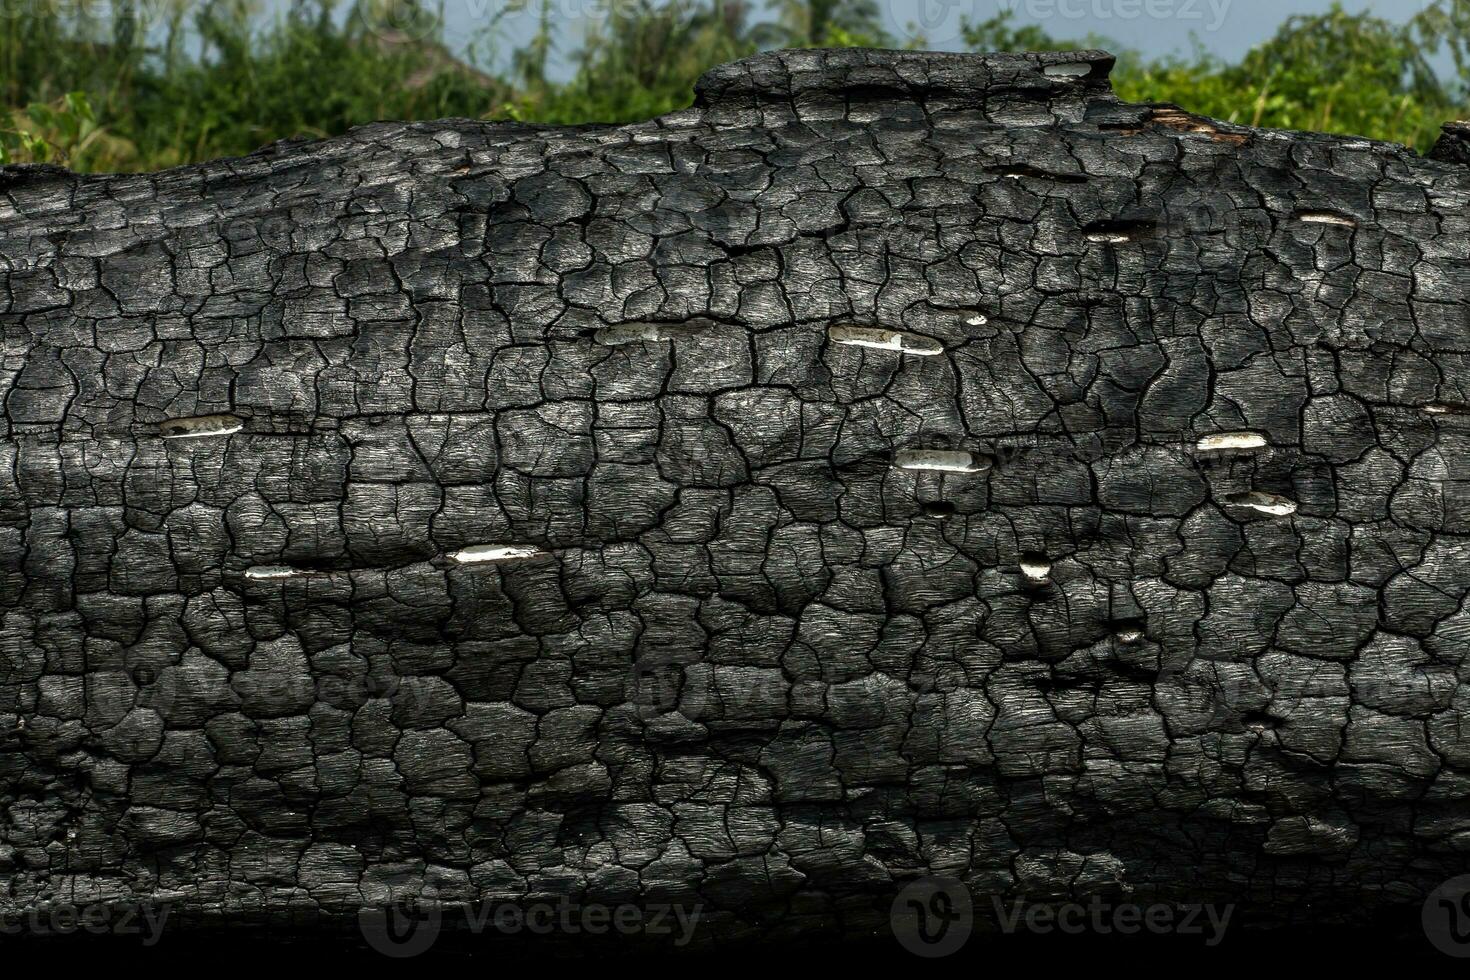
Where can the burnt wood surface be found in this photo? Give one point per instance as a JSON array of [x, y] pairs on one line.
[[895, 465]]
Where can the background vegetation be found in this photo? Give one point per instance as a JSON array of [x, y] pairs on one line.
[[143, 84]]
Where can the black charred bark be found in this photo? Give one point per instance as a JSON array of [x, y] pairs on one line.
[[894, 465]]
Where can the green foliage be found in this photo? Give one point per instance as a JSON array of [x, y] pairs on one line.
[[999, 34], [23, 146], [641, 61], [142, 84], [826, 23], [1332, 72], [312, 73], [63, 132]]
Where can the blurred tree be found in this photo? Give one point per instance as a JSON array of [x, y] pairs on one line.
[[1444, 26], [999, 33], [1333, 72], [528, 63], [1330, 72], [179, 80], [819, 23], [642, 59]]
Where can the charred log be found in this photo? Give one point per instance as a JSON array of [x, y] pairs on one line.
[[894, 465]]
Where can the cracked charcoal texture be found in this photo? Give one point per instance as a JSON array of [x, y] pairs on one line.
[[738, 656]]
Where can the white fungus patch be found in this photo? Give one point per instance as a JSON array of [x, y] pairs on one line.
[[274, 573], [201, 426], [880, 338], [941, 460], [1226, 441], [1327, 218], [1129, 636], [1036, 568], [1266, 503], [1119, 232], [1068, 70], [482, 554]]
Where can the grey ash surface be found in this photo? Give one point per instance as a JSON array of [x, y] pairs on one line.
[[738, 656]]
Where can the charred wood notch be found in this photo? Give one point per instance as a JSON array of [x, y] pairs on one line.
[[201, 427], [942, 461], [1120, 232], [881, 339], [341, 564], [1018, 171]]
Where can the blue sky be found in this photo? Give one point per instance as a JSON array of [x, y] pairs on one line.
[[1226, 27]]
